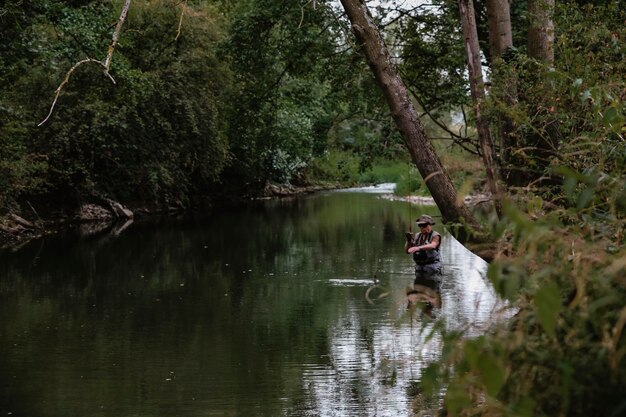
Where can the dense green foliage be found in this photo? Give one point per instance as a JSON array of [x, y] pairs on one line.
[[433, 56], [569, 115], [562, 353], [229, 97], [301, 91], [154, 136]]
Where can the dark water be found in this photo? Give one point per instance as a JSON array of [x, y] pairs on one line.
[[265, 310]]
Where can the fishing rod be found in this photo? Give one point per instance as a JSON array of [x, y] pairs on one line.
[[409, 199]]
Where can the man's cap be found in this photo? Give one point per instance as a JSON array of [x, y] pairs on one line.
[[425, 218]]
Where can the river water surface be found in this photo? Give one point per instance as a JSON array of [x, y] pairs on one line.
[[265, 310]]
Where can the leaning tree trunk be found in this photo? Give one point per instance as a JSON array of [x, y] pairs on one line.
[[405, 116], [477, 89]]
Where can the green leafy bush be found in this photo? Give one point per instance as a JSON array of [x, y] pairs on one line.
[[563, 351], [338, 167]]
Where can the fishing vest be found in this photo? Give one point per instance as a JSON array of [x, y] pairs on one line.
[[425, 257]]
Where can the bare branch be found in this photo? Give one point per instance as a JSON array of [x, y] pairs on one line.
[[65, 81], [116, 34], [106, 64], [180, 22], [302, 13]]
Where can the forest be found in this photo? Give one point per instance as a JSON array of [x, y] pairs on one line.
[[196, 102]]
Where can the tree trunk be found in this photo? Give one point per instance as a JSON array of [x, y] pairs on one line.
[[477, 89], [500, 31], [541, 30], [544, 142], [405, 116], [500, 42]]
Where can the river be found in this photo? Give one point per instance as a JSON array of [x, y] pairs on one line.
[[292, 307]]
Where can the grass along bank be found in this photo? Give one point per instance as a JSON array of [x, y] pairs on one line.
[[346, 169]]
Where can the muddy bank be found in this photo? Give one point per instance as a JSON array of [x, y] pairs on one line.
[[15, 230]]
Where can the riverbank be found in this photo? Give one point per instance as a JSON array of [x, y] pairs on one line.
[[470, 200], [103, 215]]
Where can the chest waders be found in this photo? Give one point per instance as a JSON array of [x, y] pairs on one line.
[[427, 261]]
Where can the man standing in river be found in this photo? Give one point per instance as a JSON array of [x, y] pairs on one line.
[[425, 247]]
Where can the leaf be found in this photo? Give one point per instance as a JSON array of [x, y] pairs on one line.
[[525, 407], [507, 282], [534, 203], [610, 116], [472, 350], [585, 197], [429, 382], [491, 374], [457, 398], [548, 306]]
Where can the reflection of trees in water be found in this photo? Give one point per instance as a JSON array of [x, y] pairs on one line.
[[239, 306], [371, 363]]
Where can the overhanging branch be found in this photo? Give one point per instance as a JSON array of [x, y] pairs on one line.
[[105, 65]]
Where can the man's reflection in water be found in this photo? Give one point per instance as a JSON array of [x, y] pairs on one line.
[[425, 293]]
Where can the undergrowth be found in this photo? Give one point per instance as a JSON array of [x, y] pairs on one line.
[[562, 263]]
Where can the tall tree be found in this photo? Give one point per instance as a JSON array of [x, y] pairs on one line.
[[407, 121], [156, 137], [477, 89], [500, 44], [294, 85], [541, 30], [543, 143], [500, 30]]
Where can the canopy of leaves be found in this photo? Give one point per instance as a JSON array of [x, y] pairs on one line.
[[433, 56], [298, 84], [153, 137]]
